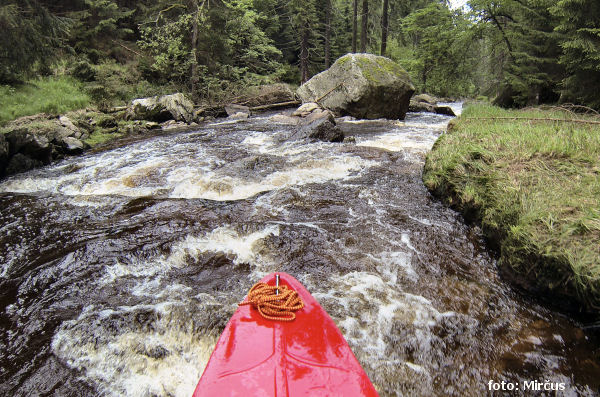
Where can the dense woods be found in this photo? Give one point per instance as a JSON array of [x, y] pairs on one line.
[[520, 52]]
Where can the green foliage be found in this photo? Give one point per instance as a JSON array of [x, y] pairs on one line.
[[98, 25], [535, 186], [115, 84], [83, 71], [48, 95], [30, 33], [439, 57], [523, 48], [580, 25], [230, 45]]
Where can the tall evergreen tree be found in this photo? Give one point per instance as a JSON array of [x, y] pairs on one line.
[[98, 27], [580, 24], [525, 29], [31, 35]]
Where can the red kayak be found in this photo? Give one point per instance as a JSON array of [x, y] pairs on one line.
[[307, 356]]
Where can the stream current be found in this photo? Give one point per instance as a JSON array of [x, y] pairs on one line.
[[120, 268]]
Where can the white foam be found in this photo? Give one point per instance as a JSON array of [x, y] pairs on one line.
[[373, 306], [123, 364], [398, 142], [224, 239], [211, 186]]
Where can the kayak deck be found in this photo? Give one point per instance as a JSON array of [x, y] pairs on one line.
[[259, 357]]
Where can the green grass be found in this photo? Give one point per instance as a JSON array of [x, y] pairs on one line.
[[535, 188], [49, 95]]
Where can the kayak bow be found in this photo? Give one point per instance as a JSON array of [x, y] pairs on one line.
[[257, 356]]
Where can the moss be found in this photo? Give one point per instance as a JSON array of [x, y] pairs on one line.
[[378, 69], [534, 187], [100, 136]]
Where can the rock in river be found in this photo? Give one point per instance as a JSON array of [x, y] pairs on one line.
[[363, 86], [321, 127], [162, 108]]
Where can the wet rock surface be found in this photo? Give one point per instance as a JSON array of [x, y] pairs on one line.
[[37, 140]]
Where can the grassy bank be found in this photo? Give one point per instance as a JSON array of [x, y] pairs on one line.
[[534, 185], [48, 95]]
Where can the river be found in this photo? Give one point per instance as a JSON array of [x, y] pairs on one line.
[[120, 268]]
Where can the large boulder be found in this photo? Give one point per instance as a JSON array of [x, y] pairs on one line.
[[162, 108], [363, 86], [27, 143]]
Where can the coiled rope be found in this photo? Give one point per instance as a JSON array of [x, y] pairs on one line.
[[273, 306]]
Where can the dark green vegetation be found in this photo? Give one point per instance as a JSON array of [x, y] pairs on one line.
[[521, 51], [534, 184]]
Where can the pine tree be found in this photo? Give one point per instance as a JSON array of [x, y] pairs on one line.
[[525, 31], [31, 35], [580, 24], [99, 25]]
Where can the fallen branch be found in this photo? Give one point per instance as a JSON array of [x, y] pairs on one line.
[[329, 92], [275, 105], [116, 109], [536, 119], [127, 48]]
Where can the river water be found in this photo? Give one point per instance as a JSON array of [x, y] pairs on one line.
[[119, 269]]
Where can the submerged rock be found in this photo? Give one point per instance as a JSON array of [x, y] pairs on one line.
[[162, 108], [361, 85]]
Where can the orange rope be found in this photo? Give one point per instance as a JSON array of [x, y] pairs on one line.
[[274, 307]]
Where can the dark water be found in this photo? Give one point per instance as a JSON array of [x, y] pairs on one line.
[[119, 269]]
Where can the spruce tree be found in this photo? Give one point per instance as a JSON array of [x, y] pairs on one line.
[[580, 24], [31, 35]]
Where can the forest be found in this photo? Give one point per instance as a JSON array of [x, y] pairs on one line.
[[517, 52]]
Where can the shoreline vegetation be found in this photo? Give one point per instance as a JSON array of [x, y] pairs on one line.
[[533, 184]]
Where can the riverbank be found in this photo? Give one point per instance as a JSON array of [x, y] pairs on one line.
[[534, 186]]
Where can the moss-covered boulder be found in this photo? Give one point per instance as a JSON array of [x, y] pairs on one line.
[[363, 86]]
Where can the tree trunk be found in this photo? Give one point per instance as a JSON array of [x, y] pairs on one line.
[[195, 77], [364, 19], [384, 27], [327, 33], [354, 25], [304, 56]]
